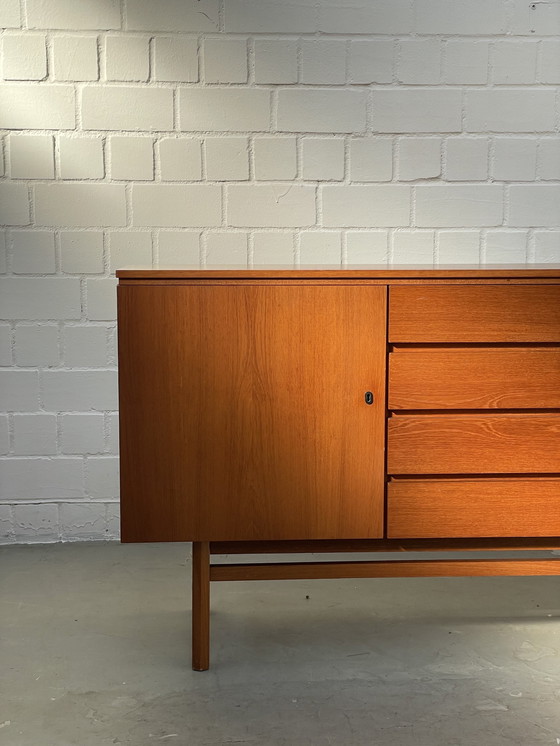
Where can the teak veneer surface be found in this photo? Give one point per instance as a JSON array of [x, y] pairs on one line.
[[243, 413], [474, 378], [460, 508], [474, 443]]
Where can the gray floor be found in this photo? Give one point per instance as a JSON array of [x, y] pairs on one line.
[[95, 651]]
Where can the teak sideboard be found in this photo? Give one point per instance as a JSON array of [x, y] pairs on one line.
[[341, 409]]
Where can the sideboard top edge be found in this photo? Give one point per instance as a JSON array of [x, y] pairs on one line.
[[329, 271]]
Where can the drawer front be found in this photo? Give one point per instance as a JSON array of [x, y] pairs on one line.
[[455, 508], [476, 378], [474, 444], [474, 313]]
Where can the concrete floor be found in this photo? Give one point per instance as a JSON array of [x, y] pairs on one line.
[[95, 651]]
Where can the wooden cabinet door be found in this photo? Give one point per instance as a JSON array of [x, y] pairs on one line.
[[243, 411]]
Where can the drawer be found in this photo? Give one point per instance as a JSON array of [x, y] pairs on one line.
[[474, 444], [455, 508], [475, 378], [474, 313]]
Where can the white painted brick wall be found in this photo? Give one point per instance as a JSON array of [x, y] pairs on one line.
[[249, 132]]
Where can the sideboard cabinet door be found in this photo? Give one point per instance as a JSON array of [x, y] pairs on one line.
[[245, 412]]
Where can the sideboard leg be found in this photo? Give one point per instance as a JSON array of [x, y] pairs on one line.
[[201, 606]]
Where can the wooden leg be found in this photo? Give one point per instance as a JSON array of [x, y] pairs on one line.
[[201, 606]]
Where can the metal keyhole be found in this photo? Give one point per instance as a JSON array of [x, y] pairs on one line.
[[369, 397]]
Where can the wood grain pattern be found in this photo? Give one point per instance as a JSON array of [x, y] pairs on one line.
[[388, 569], [475, 378], [243, 413], [352, 271], [485, 313], [201, 606], [447, 508], [474, 444]]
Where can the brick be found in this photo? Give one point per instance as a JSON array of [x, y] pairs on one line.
[[275, 158], [515, 62], [5, 345], [180, 159], [3, 252], [27, 106], [102, 476], [33, 252], [14, 204], [459, 206], [367, 247], [132, 158], [85, 346], [371, 159], [323, 158], [419, 158], [69, 14], [410, 247], [269, 16], [547, 246], [323, 61], [19, 391], [417, 110], [466, 62], [75, 58], [320, 247], [515, 159], [275, 61], [39, 298], [224, 109], [225, 61], [130, 248], [274, 206], [79, 391], [466, 159], [127, 108], [167, 205], [321, 110], [101, 301], [83, 521], [550, 68], [178, 247], [86, 205], [113, 520], [499, 110], [10, 14], [371, 61], [36, 523], [175, 59], [37, 345], [6, 525], [81, 157], [4, 435], [506, 246], [112, 421], [273, 248], [457, 17], [549, 159], [459, 247], [227, 158], [31, 156], [82, 433], [373, 17], [534, 205], [226, 248], [34, 434], [25, 56], [81, 252], [172, 15], [366, 206], [419, 61], [537, 18], [127, 58]]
